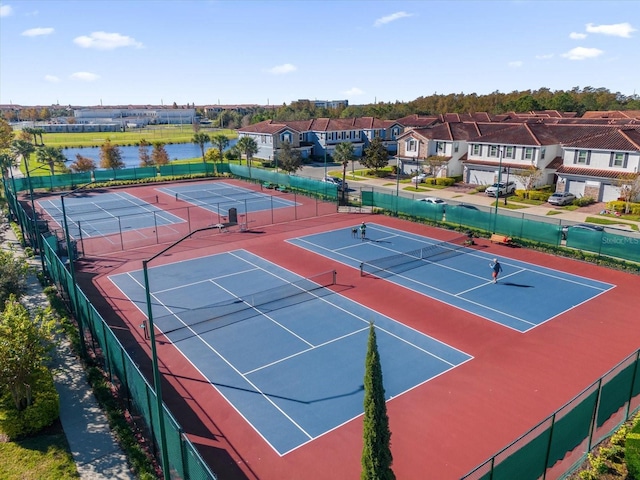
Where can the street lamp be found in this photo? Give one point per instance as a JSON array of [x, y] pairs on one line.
[[325, 159], [495, 219], [506, 191], [397, 183], [154, 355]]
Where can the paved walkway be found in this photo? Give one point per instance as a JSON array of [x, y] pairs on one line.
[[93, 446]]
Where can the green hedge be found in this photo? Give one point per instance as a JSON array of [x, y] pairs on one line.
[[44, 410], [632, 454], [620, 206], [533, 195]]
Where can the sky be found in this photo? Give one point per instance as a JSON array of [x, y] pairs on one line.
[[157, 52]]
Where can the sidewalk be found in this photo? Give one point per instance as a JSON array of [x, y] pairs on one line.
[[92, 444]]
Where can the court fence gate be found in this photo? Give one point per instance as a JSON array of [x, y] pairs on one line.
[[545, 230], [185, 462], [555, 447]]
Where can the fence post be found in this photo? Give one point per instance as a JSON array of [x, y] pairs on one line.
[[594, 417]]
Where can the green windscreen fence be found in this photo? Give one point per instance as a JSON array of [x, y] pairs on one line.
[[572, 429], [621, 246], [184, 460], [124, 174], [615, 393]]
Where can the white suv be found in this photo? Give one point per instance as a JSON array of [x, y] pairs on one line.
[[502, 188], [337, 182]]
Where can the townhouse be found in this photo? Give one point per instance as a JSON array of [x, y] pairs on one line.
[[588, 156]]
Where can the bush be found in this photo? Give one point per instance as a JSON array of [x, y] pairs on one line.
[[632, 454], [44, 410], [447, 181], [430, 181], [584, 201], [619, 206], [540, 196]]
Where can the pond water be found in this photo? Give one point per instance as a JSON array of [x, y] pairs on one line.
[[131, 156]]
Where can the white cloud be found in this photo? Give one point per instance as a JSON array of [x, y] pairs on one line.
[[38, 32], [544, 56], [391, 18], [51, 78], [84, 76], [617, 30], [353, 91], [282, 69], [581, 53], [106, 41], [5, 10], [516, 64], [577, 36]]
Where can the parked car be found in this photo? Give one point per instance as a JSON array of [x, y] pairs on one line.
[[580, 226], [561, 198], [337, 182], [419, 178], [502, 188], [433, 200]]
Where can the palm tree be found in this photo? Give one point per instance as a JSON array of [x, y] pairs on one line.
[[22, 149], [201, 139], [52, 156], [344, 154], [249, 147], [221, 141], [7, 161]]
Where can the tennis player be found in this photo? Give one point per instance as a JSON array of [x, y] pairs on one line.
[[497, 268], [363, 231]]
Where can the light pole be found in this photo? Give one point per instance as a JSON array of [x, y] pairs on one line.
[[154, 355], [506, 192], [325, 158], [495, 219], [397, 183]]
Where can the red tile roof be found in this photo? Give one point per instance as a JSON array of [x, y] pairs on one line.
[[593, 172]]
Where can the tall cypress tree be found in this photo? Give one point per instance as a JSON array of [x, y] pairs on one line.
[[376, 451]]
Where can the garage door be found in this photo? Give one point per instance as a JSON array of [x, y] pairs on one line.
[[577, 188], [610, 193], [481, 177]]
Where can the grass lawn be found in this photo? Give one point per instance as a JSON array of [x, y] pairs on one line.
[[610, 221], [43, 457], [170, 134]]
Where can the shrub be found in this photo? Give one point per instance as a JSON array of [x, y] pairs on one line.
[[632, 454], [540, 196], [44, 410], [430, 181], [447, 181], [584, 201], [619, 206]]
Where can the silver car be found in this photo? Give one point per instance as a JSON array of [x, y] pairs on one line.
[[561, 198]]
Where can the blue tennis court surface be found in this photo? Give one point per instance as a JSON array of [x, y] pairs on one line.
[[98, 214], [526, 295], [292, 366], [219, 197]]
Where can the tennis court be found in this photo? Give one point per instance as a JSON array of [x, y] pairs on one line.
[[95, 214], [526, 295], [288, 357], [219, 197]]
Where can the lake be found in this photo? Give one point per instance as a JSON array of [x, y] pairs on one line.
[[131, 157]]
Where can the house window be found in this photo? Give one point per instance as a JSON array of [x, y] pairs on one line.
[[509, 152], [493, 151], [456, 147], [582, 156], [476, 149], [543, 152], [286, 137], [618, 160], [411, 145], [527, 153], [440, 148]]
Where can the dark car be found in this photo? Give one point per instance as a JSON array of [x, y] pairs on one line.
[[580, 226]]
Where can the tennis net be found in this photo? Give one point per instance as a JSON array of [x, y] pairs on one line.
[[180, 325], [402, 262]]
